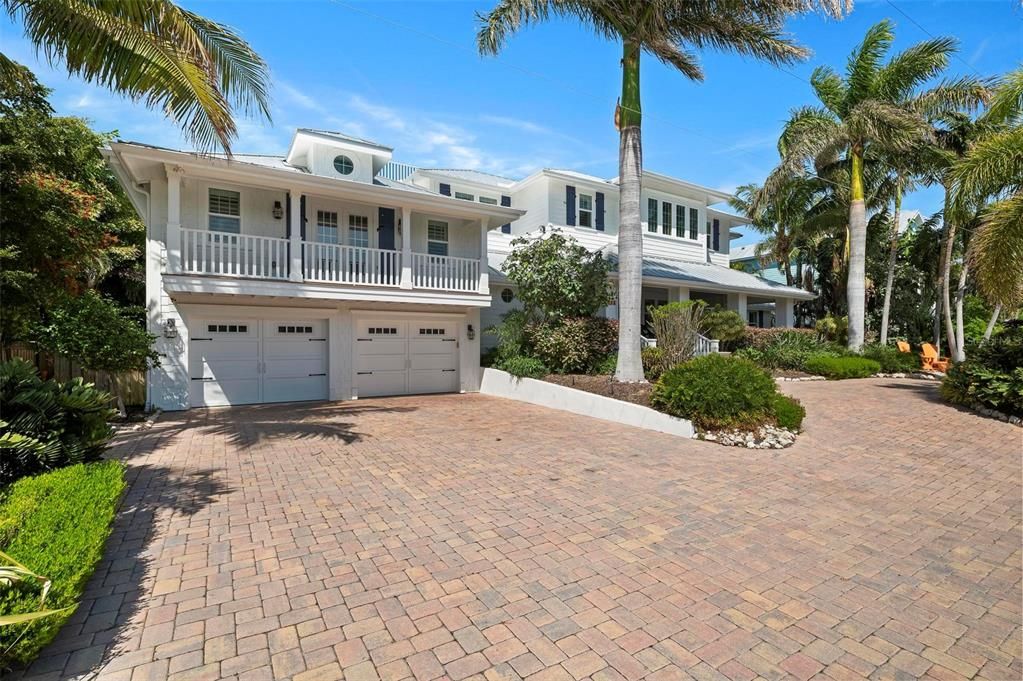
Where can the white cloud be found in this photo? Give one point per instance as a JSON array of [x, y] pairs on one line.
[[517, 123]]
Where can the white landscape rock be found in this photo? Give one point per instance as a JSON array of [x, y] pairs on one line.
[[765, 437]]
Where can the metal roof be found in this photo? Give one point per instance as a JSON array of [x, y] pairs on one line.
[[343, 137], [475, 176]]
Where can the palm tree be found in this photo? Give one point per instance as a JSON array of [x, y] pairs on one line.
[[197, 70], [668, 30], [990, 177], [876, 109]]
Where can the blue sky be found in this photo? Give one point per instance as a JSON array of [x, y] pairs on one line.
[[406, 74]]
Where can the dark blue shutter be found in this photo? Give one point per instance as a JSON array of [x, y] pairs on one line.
[[287, 214], [301, 211], [570, 205], [717, 236], [600, 212], [445, 189], [506, 201]]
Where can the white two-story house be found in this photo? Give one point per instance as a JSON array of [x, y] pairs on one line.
[[306, 277], [686, 252]]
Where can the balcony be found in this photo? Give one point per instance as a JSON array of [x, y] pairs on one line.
[[258, 257]]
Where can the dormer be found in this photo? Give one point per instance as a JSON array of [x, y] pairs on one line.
[[336, 155]]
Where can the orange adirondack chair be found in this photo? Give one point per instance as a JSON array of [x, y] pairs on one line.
[[903, 346], [931, 359]]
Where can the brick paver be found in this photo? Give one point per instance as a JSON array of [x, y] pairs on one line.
[[469, 537]]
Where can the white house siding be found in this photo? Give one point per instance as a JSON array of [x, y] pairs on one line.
[[532, 198], [719, 259], [322, 163], [491, 316], [256, 207], [463, 235]]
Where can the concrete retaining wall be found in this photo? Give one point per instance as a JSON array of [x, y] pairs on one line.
[[502, 384]]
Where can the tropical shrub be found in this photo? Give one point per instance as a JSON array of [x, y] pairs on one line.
[[511, 335], [788, 412], [716, 391], [607, 366], [836, 368], [573, 344], [55, 524], [892, 360], [992, 375], [834, 329], [653, 360], [675, 327], [557, 277], [760, 338], [47, 424], [785, 349], [524, 367], [723, 325]]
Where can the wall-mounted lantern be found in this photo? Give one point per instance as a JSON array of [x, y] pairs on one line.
[[278, 210], [470, 333], [170, 329]]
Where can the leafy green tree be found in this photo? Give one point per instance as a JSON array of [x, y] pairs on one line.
[[557, 278], [668, 30], [66, 225], [197, 71], [877, 110]]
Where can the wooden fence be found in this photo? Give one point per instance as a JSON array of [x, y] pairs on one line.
[[131, 385]]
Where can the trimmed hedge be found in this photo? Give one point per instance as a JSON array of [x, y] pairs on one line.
[[837, 368], [788, 412], [892, 360], [524, 367], [572, 345], [715, 391], [56, 525]]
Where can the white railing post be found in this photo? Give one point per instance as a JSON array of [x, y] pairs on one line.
[[484, 274], [295, 266], [173, 235], [406, 248]]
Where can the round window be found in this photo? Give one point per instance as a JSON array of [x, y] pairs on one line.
[[507, 295], [343, 165]]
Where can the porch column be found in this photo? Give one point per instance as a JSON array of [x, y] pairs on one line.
[[173, 235], [406, 248], [678, 294], [741, 307], [484, 273], [295, 238], [784, 312]]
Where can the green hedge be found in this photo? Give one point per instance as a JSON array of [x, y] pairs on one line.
[[836, 368], [788, 412], [524, 367], [715, 391], [893, 360], [56, 525]]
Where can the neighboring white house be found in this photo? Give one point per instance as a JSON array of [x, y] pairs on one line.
[[335, 273], [685, 249]]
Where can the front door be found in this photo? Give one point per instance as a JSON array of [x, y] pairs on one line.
[[385, 229]]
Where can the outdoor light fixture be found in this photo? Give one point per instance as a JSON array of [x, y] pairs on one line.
[[278, 210], [470, 332], [170, 329]]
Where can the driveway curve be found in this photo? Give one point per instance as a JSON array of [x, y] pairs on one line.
[[465, 536]]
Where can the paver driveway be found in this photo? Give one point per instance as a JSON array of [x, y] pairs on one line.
[[465, 535]]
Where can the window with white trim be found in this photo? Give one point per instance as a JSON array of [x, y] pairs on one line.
[[666, 218], [227, 328], [585, 210], [225, 211], [694, 227], [651, 215], [680, 221], [465, 197], [488, 200], [358, 231], [326, 226], [437, 237]]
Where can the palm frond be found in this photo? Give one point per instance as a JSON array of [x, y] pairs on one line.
[[865, 60], [892, 127], [962, 94], [830, 89], [1006, 104], [996, 251], [913, 67]]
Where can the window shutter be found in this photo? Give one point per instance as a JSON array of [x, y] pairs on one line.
[[717, 235], [651, 215], [600, 212], [506, 201], [445, 189], [570, 205]]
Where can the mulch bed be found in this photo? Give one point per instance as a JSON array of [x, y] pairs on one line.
[[637, 393]]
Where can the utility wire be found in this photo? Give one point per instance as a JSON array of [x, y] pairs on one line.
[[917, 24]]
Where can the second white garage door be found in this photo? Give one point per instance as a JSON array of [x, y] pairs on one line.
[[406, 357]]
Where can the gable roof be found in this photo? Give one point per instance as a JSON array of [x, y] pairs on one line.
[[474, 176], [343, 137]]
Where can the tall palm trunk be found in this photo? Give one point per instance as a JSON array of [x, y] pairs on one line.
[[946, 275], [630, 235], [893, 250], [991, 323], [960, 330], [855, 289]]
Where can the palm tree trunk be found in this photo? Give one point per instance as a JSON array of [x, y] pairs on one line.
[[946, 275], [960, 354], [991, 323], [893, 250], [936, 331], [855, 289], [630, 235]]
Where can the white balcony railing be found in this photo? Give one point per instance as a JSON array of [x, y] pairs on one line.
[[352, 265], [237, 255], [446, 273]]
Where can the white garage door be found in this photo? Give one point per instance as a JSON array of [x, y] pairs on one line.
[[250, 362], [406, 357]]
